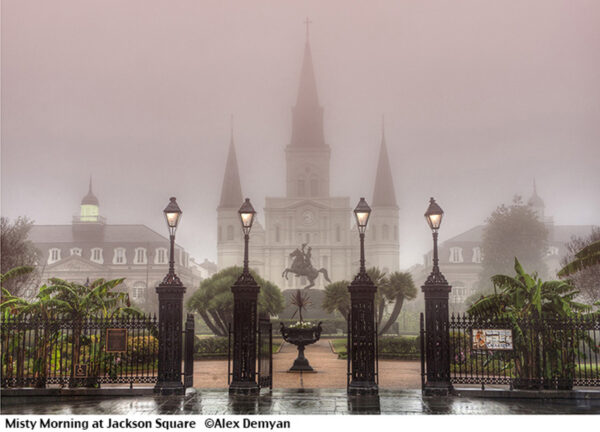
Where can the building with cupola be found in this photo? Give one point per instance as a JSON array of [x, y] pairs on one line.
[[90, 248], [461, 256], [308, 214]]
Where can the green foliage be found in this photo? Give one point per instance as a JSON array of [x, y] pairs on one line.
[[395, 347], [213, 300], [328, 326], [337, 298], [143, 349], [73, 301], [512, 231], [582, 265], [395, 288], [525, 299], [16, 251], [211, 346]]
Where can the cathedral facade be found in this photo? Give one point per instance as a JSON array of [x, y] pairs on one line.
[[308, 215]]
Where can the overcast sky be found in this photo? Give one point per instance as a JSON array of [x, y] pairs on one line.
[[479, 98]]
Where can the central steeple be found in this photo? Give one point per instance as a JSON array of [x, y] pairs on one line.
[[307, 155], [307, 126]]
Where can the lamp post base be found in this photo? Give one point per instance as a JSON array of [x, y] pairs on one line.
[[244, 388], [363, 388], [169, 388]]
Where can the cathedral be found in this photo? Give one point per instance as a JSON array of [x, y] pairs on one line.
[[308, 217]]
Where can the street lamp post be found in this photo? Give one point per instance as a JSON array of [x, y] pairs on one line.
[[170, 316], [245, 298], [437, 338], [362, 379]]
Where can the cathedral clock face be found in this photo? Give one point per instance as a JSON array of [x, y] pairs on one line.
[[308, 217]]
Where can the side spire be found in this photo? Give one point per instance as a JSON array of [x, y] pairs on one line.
[[384, 194], [231, 191]]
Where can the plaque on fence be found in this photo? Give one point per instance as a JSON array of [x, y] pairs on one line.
[[80, 370], [492, 339], [116, 340]]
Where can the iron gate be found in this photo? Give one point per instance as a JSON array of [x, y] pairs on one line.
[[188, 355], [264, 351], [352, 339]]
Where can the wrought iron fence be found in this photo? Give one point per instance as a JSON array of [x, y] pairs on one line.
[[36, 351], [265, 353], [556, 353]]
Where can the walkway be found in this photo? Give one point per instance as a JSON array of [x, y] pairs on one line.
[[287, 401], [330, 371]]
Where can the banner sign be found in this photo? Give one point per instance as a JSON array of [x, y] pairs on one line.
[[492, 339]]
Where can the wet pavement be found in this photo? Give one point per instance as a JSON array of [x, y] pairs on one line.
[[298, 401]]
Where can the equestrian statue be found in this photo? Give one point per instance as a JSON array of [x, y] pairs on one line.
[[301, 266]]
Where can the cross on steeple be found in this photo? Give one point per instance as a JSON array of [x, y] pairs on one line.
[[307, 22]]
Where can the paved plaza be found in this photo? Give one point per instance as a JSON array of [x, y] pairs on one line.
[[294, 401], [330, 371]]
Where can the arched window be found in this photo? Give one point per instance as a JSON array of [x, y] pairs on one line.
[[53, 255], [96, 256], [476, 255], [385, 232], [161, 256], [119, 256], [229, 232], [138, 292], [140, 256], [456, 255], [338, 234]]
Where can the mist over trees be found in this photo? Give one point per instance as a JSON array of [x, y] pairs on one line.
[[17, 251], [511, 232], [587, 279]]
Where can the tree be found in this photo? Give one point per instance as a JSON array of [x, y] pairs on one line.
[[582, 265], [398, 288], [512, 231], [213, 300], [16, 251], [337, 298], [525, 299]]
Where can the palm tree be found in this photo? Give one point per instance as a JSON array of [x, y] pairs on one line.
[[380, 281], [337, 298], [398, 287], [301, 301], [213, 300], [587, 257]]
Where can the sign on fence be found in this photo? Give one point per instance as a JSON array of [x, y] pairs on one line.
[[116, 340], [492, 339]]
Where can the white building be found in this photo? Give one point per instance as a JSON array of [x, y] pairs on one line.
[[308, 213]]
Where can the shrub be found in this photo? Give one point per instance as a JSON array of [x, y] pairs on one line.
[[211, 346]]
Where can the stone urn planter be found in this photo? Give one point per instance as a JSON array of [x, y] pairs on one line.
[[301, 336]]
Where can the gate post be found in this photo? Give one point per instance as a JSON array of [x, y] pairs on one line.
[[188, 365], [362, 336], [245, 297], [170, 318], [437, 331]]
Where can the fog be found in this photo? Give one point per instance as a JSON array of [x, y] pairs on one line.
[[479, 99]]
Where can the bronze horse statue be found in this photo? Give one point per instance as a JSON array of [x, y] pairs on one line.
[[301, 266]]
